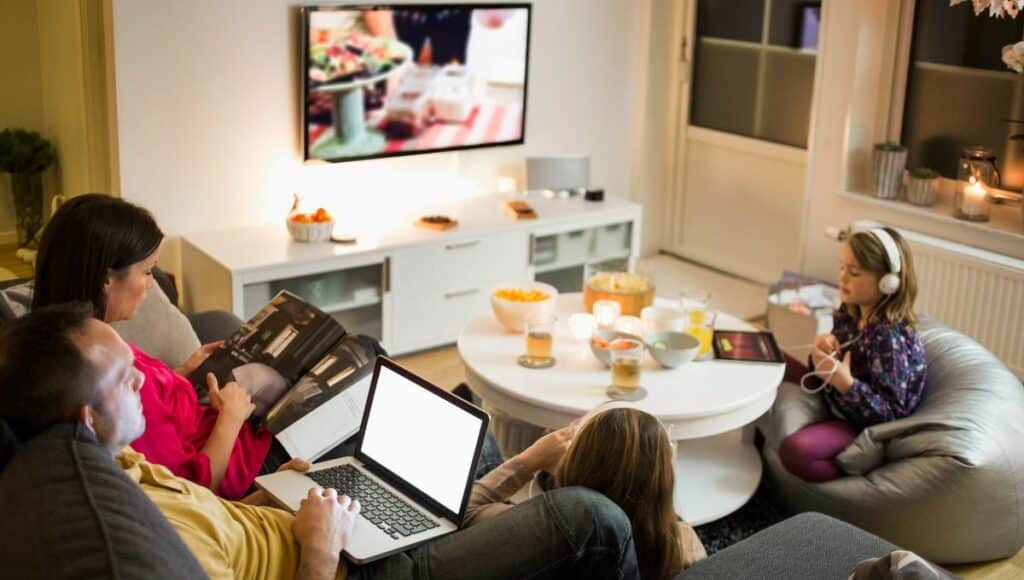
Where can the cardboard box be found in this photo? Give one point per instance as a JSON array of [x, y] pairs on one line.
[[799, 309]]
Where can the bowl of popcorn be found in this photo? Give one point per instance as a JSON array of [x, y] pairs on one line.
[[310, 227], [514, 304], [632, 291]]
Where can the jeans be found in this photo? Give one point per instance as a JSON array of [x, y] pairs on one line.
[[570, 532]]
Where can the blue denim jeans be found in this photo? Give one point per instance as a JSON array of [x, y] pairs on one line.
[[571, 532]]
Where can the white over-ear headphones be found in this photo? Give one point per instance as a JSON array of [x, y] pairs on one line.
[[889, 283]]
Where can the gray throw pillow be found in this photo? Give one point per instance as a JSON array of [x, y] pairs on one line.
[[160, 329]]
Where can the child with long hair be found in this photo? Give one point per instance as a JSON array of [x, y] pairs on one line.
[[623, 453], [871, 367]]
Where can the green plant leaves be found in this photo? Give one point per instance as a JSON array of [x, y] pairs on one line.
[[24, 151]]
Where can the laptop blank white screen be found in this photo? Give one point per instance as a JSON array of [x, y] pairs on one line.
[[422, 438]]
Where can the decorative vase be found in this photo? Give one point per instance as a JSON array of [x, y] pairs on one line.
[[889, 160], [28, 206], [922, 186]]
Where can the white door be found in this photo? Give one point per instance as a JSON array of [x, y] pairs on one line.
[[747, 79]]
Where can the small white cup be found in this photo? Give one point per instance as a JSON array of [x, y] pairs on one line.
[[662, 318]]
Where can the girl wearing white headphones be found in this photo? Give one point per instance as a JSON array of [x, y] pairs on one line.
[[871, 368]]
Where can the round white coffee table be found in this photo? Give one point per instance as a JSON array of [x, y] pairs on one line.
[[705, 404]]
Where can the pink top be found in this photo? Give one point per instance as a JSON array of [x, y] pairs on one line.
[[177, 427]]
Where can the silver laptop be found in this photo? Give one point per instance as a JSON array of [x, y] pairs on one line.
[[412, 470]]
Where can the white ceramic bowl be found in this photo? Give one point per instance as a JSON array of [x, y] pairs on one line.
[[660, 318], [310, 232], [672, 349], [513, 315], [605, 354]]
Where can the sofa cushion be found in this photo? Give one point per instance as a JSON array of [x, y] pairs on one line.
[[69, 511], [159, 328], [809, 545]]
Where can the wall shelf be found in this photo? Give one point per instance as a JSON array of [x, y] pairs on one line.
[[1005, 221]]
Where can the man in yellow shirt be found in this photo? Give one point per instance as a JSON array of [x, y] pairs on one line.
[[567, 532]]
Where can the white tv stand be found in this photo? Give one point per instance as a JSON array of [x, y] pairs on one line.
[[413, 288]]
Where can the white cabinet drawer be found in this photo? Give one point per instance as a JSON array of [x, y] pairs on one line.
[[438, 288]]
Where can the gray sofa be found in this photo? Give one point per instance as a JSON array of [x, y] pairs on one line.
[[808, 545], [946, 482]]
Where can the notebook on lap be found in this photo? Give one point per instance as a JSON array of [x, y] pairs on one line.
[[412, 470]]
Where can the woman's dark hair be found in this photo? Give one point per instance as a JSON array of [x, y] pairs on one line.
[[88, 238], [44, 376]]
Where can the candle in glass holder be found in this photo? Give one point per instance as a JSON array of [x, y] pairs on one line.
[[972, 202], [630, 325], [581, 325], [605, 313]]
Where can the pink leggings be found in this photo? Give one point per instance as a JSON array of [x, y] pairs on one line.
[[808, 453]]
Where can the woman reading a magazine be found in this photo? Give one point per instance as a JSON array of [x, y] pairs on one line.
[[102, 250]]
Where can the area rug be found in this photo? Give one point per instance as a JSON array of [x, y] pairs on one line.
[[756, 515]]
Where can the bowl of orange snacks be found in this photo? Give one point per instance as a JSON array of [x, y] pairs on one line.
[[514, 304], [310, 227]]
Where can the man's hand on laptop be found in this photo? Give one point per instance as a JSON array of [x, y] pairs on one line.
[[322, 527]]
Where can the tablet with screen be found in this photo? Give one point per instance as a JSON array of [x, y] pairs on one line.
[[745, 346]]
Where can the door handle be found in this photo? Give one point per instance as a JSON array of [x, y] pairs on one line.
[[460, 293], [462, 245]]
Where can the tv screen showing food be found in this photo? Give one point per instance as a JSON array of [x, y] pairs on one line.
[[412, 78]]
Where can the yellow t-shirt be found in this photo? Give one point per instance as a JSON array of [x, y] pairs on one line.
[[229, 539]]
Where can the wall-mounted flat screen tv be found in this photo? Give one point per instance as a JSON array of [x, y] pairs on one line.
[[401, 79]]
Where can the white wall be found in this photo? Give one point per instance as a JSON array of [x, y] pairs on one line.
[[208, 114], [20, 88]]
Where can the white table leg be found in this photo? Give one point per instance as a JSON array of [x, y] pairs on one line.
[[715, 476]]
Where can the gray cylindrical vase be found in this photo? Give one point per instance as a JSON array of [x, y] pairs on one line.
[[922, 186], [889, 160]]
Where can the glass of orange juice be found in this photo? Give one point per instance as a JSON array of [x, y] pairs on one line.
[[702, 327]]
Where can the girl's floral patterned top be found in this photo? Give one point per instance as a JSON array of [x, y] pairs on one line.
[[888, 367]]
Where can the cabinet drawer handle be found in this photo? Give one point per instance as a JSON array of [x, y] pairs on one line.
[[450, 295], [462, 245]]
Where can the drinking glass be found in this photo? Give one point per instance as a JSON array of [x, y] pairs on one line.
[[702, 327], [626, 355], [539, 342]]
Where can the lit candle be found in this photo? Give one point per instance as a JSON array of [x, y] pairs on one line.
[[974, 199], [605, 313], [581, 325], [630, 325], [506, 185]]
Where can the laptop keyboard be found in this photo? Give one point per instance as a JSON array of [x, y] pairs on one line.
[[380, 507]]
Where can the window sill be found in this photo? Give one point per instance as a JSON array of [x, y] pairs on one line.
[[1005, 221]]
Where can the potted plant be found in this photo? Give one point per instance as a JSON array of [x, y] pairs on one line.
[[922, 186], [889, 160], [25, 154]]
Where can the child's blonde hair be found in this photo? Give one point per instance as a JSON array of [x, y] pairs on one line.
[[871, 256]]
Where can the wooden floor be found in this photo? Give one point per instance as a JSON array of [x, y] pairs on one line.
[[10, 266], [1008, 569]]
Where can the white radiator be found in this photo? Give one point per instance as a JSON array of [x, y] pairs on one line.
[[976, 292]]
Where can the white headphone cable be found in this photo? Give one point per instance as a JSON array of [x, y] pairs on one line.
[[816, 373]]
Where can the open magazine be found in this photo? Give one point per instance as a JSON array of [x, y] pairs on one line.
[[308, 378]]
